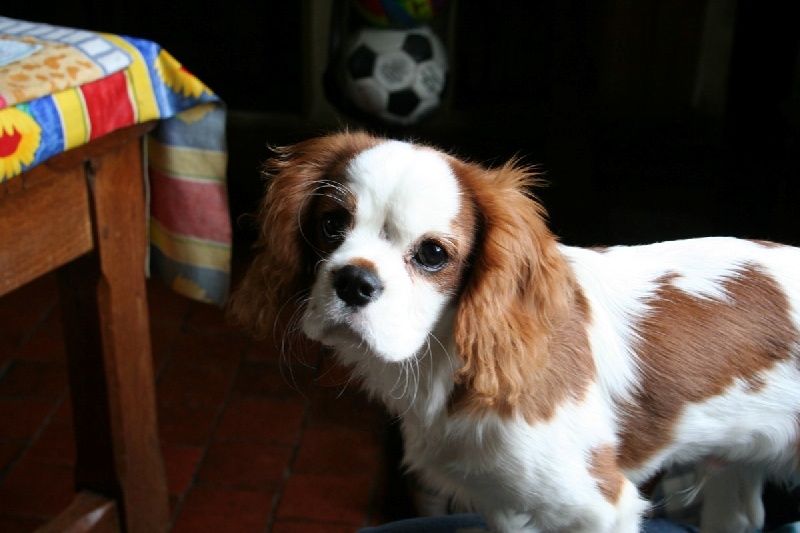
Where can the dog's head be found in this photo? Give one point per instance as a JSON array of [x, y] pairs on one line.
[[375, 246]]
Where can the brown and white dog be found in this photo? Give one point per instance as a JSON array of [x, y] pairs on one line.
[[536, 382]]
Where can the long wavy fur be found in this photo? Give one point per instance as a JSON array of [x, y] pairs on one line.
[[283, 267], [518, 286]]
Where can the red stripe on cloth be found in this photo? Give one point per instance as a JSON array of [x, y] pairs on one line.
[[108, 104], [191, 208]]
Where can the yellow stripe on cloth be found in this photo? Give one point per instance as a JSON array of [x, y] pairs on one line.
[[189, 250], [74, 120], [189, 288], [188, 163], [139, 81]]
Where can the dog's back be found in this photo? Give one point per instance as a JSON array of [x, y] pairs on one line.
[[703, 362]]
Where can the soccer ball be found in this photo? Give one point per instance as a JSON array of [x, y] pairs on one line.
[[397, 76]]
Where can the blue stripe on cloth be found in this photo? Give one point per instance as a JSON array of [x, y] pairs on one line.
[[170, 101], [200, 283], [45, 113], [462, 523], [207, 133]]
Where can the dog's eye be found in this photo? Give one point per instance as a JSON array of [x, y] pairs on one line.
[[334, 225], [431, 256]]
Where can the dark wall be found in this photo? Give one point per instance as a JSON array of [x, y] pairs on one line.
[[600, 94], [247, 51]]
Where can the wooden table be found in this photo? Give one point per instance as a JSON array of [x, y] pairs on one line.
[[82, 213]]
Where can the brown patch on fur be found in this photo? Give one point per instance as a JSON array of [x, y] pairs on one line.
[[767, 244], [458, 246], [366, 264], [756, 384], [448, 279], [283, 266], [694, 348], [330, 198], [521, 322], [604, 468]]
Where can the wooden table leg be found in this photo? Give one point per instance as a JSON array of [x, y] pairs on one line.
[[88, 513], [104, 309]]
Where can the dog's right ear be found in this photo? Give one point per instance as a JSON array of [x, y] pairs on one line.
[[518, 286], [282, 270]]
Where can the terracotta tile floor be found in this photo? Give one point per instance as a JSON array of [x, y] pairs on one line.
[[245, 451]]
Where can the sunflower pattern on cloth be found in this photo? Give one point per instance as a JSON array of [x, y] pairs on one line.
[[190, 229]]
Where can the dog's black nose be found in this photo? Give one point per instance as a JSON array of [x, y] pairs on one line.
[[356, 286]]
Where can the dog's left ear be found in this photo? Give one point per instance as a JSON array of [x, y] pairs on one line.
[[518, 286]]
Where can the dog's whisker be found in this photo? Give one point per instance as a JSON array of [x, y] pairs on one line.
[[410, 392], [418, 379], [286, 352], [401, 377], [399, 369], [344, 386], [444, 350], [431, 361], [413, 380]]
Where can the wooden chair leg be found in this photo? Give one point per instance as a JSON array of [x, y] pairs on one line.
[[104, 307]]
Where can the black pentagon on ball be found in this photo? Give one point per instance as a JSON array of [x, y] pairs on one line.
[[418, 47], [402, 103], [361, 62]]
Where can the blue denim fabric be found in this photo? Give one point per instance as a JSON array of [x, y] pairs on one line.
[[461, 523]]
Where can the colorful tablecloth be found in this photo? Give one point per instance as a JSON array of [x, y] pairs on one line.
[[73, 86]]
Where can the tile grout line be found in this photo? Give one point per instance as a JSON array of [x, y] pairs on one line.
[[6, 367], [184, 329], [289, 470], [158, 372], [58, 402], [28, 444]]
